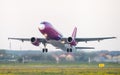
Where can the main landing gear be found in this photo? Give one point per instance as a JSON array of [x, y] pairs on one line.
[[69, 49], [44, 50]]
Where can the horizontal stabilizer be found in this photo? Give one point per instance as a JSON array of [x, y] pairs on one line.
[[84, 47]]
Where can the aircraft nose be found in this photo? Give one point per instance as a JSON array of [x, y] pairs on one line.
[[42, 26]]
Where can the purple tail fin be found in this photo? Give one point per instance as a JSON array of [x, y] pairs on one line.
[[74, 33]]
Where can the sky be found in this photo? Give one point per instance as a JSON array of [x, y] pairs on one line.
[[93, 18]]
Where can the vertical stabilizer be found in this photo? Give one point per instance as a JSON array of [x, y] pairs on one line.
[[74, 33]]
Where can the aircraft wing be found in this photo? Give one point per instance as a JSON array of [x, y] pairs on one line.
[[29, 39], [21, 39], [84, 47], [77, 39], [92, 39]]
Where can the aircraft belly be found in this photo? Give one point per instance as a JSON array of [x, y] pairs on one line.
[[58, 44]]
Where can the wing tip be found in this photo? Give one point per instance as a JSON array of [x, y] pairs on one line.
[[9, 38], [113, 37]]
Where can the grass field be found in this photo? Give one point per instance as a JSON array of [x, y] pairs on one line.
[[57, 69]]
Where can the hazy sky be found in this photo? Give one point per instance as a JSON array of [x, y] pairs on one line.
[[93, 18]]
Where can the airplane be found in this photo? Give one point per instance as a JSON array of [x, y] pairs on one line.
[[52, 36]]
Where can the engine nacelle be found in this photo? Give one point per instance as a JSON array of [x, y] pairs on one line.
[[35, 41], [71, 41]]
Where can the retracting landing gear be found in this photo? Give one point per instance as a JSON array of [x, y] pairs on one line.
[[44, 50], [69, 49]]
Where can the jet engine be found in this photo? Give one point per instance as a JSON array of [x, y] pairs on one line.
[[35, 41], [71, 41]]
